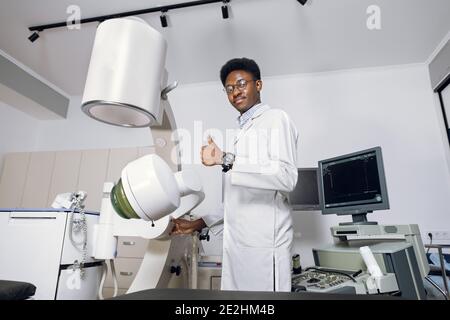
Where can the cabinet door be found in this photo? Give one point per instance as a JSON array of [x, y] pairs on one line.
[[132, 247], [65, 174], [30, 249], [126, 270], [94, 164], [209, 278], [15, 168], [38, 180], [109, 292]]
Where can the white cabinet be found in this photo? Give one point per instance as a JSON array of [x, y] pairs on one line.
[[126, 270], [130, 252], [209, 278], [131, 247], [209, 272], [35, 247]]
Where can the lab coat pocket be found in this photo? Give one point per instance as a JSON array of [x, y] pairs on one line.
[[255, 226]]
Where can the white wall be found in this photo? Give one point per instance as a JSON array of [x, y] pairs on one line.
[[18, 131], [342, 112], [78, 131]]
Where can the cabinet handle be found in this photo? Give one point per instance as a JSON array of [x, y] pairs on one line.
[[129, 243], [123, 273]]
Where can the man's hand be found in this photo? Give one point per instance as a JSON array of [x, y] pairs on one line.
[[211, 154], [182, 226]]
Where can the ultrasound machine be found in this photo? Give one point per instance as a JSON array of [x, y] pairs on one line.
[[365, 257]]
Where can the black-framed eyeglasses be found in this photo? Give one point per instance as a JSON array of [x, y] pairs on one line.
[[241, 84]]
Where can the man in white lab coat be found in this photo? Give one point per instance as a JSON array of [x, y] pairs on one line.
[[259, 173]]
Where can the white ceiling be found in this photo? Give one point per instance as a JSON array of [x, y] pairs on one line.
[[281, 35]]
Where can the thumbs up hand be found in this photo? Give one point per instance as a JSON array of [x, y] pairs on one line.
[[211, 154]]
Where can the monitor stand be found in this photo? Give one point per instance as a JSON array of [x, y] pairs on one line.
[[359, 219]]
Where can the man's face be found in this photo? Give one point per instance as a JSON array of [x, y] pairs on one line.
[[245, 90]]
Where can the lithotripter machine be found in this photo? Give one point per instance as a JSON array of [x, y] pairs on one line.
[[369, 259]]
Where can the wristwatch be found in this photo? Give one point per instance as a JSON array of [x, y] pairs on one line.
[[227, 161]]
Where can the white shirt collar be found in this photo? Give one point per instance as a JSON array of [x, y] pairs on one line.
[[247, 115]]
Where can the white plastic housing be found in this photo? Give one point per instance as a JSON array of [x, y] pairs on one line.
[[371, 263], [124, 80], [105, 243], [188, 182], [150, 187]]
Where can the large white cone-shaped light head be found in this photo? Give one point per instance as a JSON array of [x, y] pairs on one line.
[[124, 80], [147, 190]]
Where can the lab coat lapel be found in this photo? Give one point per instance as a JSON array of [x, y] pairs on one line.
[[250, 123]]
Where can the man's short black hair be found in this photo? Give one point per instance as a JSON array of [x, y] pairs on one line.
[[245, 64]]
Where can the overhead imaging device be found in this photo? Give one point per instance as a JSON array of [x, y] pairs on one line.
[[127, 86], [125, 77]]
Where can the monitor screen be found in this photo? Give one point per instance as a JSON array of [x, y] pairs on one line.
[[305, 196], [353, 183]]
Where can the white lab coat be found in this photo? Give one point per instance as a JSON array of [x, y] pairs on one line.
[[257, 228]]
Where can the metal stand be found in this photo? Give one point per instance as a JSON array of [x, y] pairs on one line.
[[358, 219]]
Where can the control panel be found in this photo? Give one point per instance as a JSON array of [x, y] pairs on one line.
[[321, 280]]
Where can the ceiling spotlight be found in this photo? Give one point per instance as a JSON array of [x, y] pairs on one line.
[[225, 14], [302, 2], [34, 36], [163, 19]]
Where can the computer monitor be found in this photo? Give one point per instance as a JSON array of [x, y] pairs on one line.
[[353, 184], [305, 196]]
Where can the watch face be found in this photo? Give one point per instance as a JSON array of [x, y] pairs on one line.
[[229, 157]]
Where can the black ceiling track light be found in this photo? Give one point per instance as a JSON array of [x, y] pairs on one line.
[[163, 19], [163, 9], [302, 2], [34, 36], [225, 14]]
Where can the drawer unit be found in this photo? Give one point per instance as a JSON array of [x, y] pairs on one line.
[[131, 247], [130, 252], [126, 270]]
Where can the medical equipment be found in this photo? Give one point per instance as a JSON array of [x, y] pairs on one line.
[[382, 258], [36, 247], [394, 265], [305, 196], [372, 267], [126, 76], [127, 86], [353, 184], [142, 203], [78, 224]]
